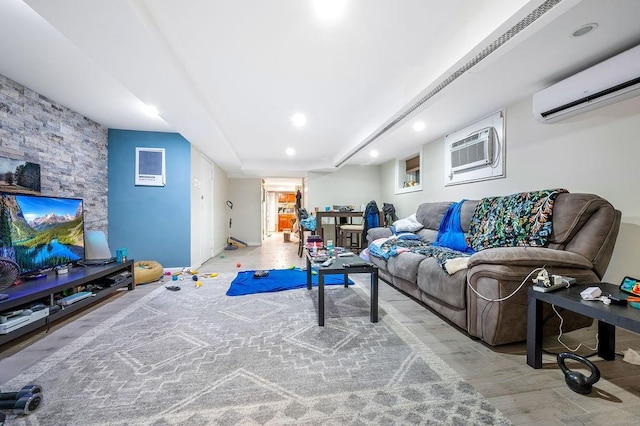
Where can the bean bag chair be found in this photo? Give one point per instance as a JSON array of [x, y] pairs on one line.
[[146, 271]]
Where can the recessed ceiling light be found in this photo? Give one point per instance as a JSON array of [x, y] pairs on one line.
[[290, 151], [419, 126], [150, 110], [585, 29], [298, 119], [329, 9], [374, 153]]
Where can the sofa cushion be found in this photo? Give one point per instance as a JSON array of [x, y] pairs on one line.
[[405, 265], [378, 233], [430, 214], [437, 284], [427, 235]]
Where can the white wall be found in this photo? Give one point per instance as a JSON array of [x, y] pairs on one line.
[[349, 185], [245, 194], [596, 152]]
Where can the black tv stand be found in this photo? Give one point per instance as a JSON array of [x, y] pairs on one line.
[[32, 277], [51, 287]]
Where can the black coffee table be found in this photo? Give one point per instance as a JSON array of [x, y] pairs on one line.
[[338, 268], [609, 317]]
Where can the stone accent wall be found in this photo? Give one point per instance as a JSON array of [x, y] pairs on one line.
[[71, 149]]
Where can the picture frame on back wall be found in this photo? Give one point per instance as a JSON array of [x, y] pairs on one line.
[[150, 167]]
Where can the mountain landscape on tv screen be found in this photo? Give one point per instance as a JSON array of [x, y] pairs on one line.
[[41, 232]]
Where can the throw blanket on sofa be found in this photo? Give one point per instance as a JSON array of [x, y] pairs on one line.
[[388, 247], [517, 220], [450, 233]]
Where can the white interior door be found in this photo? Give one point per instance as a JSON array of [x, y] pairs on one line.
[[206, 210]]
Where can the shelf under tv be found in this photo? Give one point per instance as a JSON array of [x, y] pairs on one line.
[[44, 289]]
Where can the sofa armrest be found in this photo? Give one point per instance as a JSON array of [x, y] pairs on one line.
[[376, 233], [534, 257], [505, 274]]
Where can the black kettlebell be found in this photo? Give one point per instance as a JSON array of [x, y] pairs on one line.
[[577, 381]]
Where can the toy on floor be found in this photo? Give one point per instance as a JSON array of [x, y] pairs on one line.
[[147, 271], [198, 283], [238, 264], [25, 401]]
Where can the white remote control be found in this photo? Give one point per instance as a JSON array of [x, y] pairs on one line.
[[327, 262]]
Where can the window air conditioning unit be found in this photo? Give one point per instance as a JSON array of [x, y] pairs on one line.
[[473, 151], [613, 80]]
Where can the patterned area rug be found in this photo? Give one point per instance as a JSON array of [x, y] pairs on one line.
[[198, 357]]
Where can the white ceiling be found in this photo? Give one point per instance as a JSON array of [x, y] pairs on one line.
[[228, 75]]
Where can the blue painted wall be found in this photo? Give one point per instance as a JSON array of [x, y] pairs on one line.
[[151, 222]]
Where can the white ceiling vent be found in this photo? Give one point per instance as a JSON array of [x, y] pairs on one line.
[[543, 8]]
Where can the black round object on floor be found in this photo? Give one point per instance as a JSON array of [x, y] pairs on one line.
[[577, 381]]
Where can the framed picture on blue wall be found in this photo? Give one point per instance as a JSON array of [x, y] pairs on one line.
[[150, 167]]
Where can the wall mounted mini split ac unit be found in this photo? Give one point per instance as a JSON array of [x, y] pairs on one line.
[[473, 151], [613, 80]]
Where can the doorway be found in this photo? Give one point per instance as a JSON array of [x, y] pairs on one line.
[[278, 204]]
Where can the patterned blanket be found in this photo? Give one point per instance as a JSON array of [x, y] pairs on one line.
[[518, 220]]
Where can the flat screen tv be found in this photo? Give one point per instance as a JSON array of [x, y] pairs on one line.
[[40, 233]]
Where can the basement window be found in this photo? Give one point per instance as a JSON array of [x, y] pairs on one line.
[[409, 174]]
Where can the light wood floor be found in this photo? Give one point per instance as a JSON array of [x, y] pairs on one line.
[[525, 395]]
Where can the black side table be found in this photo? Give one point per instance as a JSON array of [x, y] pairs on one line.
[[608, 316], [338, 268]]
